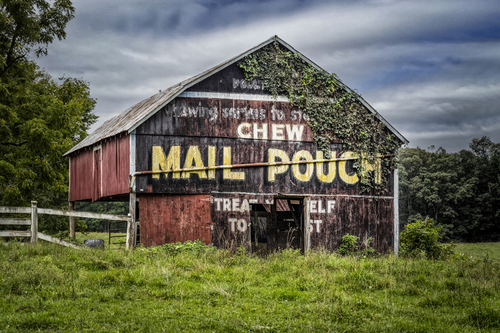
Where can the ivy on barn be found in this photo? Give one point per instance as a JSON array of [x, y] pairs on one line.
[[336, 114]]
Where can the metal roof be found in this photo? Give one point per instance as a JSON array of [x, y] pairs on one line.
[[134, 116]]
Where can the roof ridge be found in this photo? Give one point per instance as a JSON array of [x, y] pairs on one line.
[[134, 116]]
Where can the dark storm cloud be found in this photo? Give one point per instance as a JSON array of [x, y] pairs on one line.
[[431, 68], [180, 17]]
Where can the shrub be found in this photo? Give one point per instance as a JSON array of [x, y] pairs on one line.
[[422, 238], [349, 245]]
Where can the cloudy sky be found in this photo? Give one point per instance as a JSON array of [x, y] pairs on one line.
[[431, 68]]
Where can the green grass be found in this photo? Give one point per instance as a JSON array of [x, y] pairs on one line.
[[52, 288], [479, 250]]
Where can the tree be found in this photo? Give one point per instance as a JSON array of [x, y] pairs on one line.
[[483, 163], [28, 27], [460, 191], [40, 118]]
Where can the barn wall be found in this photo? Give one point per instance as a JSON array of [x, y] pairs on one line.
[[100, 171], [115, 165], [174, 218], [81, 175], [230, 80], [211, 117], [225, 120], [331, 217], [231, 221], [314, 178]]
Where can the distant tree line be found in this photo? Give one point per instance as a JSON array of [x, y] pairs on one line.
[[460, 191]]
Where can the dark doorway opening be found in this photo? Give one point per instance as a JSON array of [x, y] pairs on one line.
[[277, 226]]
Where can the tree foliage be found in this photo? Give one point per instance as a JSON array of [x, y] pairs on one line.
[[460, 191], [27, 27], [107, 207], [40, 118]]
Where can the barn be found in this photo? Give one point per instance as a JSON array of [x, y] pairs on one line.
[[219, 158]]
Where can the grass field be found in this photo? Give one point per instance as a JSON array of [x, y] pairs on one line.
[[51, 288], [480, 250]]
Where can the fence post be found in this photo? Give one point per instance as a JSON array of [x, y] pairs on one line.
[[131, 223], [307, 223], [72, 220], [34, 222]]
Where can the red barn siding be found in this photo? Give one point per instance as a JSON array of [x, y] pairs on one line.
[[115, 165], [103, 172], [174, 218], [81, 175]]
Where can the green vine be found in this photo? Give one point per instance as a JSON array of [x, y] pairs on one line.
[[336, 114]]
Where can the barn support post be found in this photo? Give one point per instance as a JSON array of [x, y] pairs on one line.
[[307, 233], [396, 211], [34, 222], [131, 223], [71, 207]]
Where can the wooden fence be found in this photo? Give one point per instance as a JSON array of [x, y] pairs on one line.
[[34, 234]]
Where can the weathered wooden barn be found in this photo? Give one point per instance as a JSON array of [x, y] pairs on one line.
[[219, 159]]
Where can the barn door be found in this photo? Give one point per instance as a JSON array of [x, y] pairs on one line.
[[278, 226], [97, 174], [259, 220], [289, 223]]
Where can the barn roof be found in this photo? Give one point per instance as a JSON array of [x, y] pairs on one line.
[[134, 116]]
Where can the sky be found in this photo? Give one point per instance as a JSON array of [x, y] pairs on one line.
[[430, 68]]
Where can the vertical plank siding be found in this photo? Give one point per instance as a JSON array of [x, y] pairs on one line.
[[174, 218], [100, 172], [115, 165], [362, 217], [81, 181], [330, 218], [230, 223]]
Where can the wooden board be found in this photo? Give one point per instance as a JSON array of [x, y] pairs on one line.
[[174, 218]]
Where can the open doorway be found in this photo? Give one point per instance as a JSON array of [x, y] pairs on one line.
[[277, 226]]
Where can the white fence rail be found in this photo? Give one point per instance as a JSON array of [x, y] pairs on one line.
[[34, 211]]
